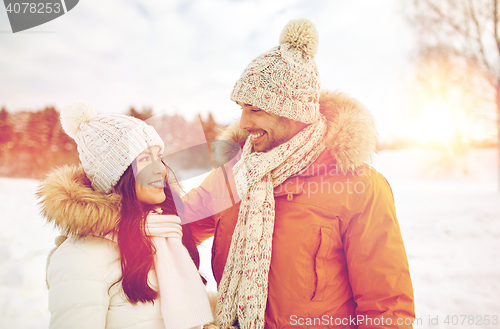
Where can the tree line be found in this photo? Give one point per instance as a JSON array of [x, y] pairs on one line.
[[32, 143]]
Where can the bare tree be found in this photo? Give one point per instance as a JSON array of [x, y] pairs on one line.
[[466, 30]]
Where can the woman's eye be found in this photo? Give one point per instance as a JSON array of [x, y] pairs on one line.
[[254, 110], [144, 159]]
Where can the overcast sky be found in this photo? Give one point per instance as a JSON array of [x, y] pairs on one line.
[[185, 55]]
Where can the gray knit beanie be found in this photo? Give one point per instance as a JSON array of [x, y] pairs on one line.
[[107, 143]]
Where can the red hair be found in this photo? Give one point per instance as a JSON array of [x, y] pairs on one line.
[[136, 248]]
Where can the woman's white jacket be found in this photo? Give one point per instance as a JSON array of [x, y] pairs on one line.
[[82, 271]]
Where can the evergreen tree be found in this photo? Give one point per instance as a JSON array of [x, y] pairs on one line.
[[210, 127], [145, 114], [6, 129]]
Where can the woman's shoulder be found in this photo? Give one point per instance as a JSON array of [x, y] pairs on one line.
[[90, 258]]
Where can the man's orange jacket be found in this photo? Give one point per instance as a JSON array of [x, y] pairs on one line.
[[338, 258]]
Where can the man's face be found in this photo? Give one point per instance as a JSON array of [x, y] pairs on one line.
[[267, 130]]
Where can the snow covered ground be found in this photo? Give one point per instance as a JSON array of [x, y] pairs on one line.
[[449, 212], [448, 208]]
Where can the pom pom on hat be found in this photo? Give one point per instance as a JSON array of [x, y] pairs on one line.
[[302, 34], [75, 115]]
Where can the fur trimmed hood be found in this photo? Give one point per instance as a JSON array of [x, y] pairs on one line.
[[351, 137], [69, 202]]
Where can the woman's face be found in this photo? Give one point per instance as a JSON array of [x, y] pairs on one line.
[[149, 174]]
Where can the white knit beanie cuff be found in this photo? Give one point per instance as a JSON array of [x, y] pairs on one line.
[[112, 166]]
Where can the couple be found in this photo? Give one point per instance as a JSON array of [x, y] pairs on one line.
[[305, 231]]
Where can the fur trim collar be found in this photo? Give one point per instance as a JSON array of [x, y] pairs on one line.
[[351, 137], [68, 201]]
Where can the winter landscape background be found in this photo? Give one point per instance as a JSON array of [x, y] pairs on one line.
[[183, 57], [448, 209]]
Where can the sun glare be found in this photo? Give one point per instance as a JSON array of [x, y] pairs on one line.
[[434, 126], [439, 105]]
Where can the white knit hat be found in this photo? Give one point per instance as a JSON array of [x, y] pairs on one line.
[[285, 80], [107, 143]]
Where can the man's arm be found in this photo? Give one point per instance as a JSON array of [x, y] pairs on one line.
[[377, 262], [216, 193], [197, 214]]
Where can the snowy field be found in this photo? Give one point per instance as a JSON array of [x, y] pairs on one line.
[[448, 208]]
